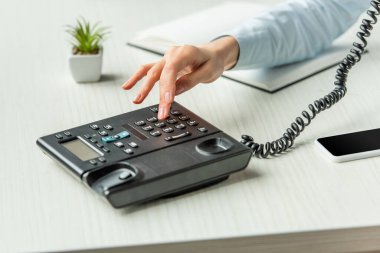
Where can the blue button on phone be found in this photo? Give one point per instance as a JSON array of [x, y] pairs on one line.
[[118, 136]]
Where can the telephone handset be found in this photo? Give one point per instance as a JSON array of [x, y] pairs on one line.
[[287, 139]]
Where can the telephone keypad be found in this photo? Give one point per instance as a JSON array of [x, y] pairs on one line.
[[154, 109], [167, 129], [180, 126], [140, 123], [184, 117], [172, 121], [147, 128], [108, 127], [119, 144], [102, 159], [175, 113], [133, 144], [103, 133], [128, 151], [160, 124], [192, 123], [94, 126], [155, 133], [152, 119]]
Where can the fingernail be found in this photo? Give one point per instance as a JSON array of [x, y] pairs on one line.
[[137, 98], [161, 112], [167, 97], [125, 84]]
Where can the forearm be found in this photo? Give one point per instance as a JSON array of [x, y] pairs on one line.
[[293, 31]]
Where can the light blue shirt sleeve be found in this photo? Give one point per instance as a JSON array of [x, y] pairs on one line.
[[294, 31]]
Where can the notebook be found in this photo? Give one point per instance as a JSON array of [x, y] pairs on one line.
[[201, 27]]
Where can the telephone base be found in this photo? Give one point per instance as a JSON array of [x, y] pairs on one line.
[[196, 187]]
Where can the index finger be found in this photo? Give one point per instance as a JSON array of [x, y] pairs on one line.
[[176, 61]]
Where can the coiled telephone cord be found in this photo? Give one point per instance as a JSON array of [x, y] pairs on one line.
[[287, 140]]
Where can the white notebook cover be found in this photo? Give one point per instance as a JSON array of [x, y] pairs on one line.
[[203, 26]]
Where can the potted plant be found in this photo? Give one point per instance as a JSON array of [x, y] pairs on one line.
[[86, 55]]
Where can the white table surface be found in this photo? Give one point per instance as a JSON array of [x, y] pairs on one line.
[[297, 202]]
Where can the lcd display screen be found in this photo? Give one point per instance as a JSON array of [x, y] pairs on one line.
[[81, 149]]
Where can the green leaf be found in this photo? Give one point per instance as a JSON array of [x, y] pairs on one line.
[[87, 38]]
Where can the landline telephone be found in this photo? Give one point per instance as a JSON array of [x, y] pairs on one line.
[[134, 157]]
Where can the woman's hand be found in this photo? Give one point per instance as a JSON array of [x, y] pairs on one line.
[[182, 68]]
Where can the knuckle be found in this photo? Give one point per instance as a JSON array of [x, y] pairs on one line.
[[143, 67], [171, 65], [171, 50], [153, 74]]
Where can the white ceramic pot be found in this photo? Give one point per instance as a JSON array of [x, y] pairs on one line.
[[86, 68]]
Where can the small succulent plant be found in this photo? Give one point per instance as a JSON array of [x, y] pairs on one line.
[[86, 38]]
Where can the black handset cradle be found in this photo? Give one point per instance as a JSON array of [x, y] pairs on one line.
[[134, 157]]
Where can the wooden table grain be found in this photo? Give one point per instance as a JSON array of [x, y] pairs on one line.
[[297, 202]]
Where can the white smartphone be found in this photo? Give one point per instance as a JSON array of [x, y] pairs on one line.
[[351, 146]]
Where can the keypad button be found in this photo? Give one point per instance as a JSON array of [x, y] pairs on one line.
[[108, 127], [107, 150], [176, 137], [133, 144], [184, 117], [172, 121], [152, 119], [59, 136], [103, 133], [87, 136], [155, 133], [167, 129], [180, 126], [119, 144], [140, 123], [154, 109], [202, 129], [160, 124], [115, 137], [93, 162], [67, 133], [94, 126], [192, 123], [128, 151], [99, 145], [102, 159], [147, 128], [175, 113]]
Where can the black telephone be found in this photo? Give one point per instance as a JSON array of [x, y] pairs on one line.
[[133, 157]]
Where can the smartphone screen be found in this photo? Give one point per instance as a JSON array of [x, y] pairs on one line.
[[352, 143]]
